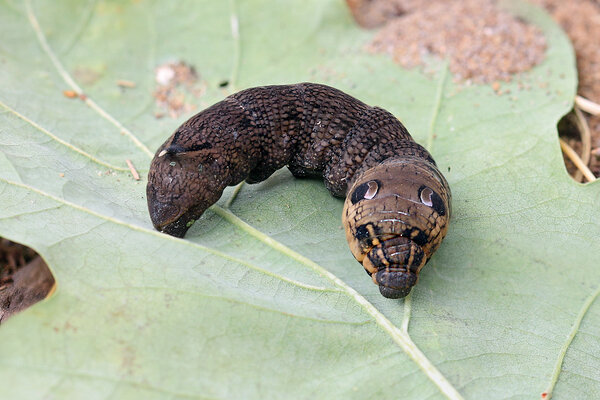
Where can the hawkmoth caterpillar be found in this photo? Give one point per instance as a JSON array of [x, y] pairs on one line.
[[397, 205]]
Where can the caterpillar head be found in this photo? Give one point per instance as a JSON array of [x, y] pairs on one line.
[[396, 215], [182, 184]]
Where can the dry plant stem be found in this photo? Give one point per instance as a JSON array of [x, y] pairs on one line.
[[568, 150], [132, 169], [587, 105], [125, 83], [586, 139]]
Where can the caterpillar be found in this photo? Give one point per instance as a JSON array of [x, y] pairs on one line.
[[398, 203]]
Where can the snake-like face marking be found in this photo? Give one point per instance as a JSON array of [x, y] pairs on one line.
[[397, 202], [367, 190], [432, 199], [425, 196], [395, 233]]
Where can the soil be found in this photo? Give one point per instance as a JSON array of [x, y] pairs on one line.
[[485, 44], [481, 42], [581, 21], [24, 278]]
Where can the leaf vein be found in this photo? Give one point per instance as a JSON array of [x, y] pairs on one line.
[[116, 380], [67, 78], [235, 34], [563, 351], [168, 237], [253, 305], [400, 337], [61, 141]]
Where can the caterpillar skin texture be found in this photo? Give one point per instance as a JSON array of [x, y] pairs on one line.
[[397, 204]]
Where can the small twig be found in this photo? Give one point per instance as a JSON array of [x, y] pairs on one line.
[[125, 83], [586, 139], [71, 94], [134, 172], [587, 105], [572, 155]]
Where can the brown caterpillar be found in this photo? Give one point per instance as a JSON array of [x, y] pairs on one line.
[[397, 204]]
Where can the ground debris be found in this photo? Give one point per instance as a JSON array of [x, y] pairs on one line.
[[177, 84], [25, 278], [482, 43], [581, 21]]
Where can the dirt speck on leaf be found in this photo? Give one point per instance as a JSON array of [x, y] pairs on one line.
[[177, 85], [124, 83], [71, 94]]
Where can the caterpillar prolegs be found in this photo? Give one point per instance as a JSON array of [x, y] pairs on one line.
[[397, 204]]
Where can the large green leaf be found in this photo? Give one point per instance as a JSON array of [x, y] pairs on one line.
[[265, 300]]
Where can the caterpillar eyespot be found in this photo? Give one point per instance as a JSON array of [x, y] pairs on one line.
[[367, 190], [372, 190], [432, 199], [397, 206], [426, 194]]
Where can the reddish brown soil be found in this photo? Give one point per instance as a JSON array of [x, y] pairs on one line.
[[24, 278], [485, 44], [482, 43], [581, 21]]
